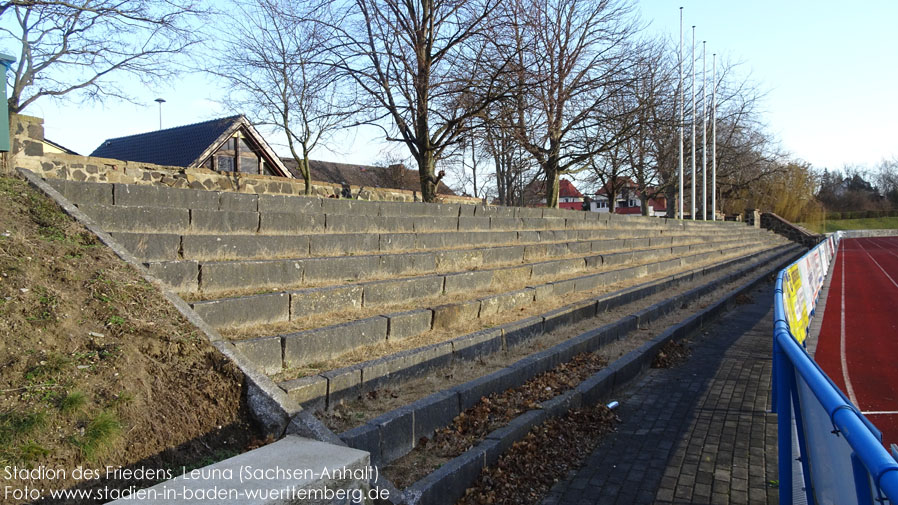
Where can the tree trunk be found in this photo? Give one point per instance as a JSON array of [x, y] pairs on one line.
[[644, 203], [306, 174], [426, 164], [551, 189]]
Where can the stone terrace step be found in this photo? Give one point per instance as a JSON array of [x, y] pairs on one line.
[[222, 247], [395, 368], [327, 342], [247, 276]]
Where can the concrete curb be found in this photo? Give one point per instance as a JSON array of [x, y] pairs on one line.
[[395, 433], [269, 404], [448, 483]]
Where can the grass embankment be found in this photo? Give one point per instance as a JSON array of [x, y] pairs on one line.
[[871, 223], [96, 367]]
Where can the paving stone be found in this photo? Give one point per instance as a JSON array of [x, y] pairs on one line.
[[679, 416]]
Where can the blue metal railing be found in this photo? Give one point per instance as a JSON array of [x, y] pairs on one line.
[[841, 452]]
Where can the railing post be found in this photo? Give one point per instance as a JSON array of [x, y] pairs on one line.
[[784, 424]]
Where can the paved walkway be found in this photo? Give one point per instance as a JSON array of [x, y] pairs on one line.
[[695, 433]]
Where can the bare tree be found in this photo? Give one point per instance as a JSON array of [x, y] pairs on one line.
[[569, 58], [75, 47], [274, 63], [424, 68]]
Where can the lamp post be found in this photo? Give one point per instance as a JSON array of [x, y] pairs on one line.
[[681, 98], [160, 101], [693, 123]]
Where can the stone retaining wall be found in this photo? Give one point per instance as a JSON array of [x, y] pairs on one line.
[[793, 232], [28, 152]]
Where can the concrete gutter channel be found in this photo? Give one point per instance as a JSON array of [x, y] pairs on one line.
[[448, 483], [282, 416], [333, 386]]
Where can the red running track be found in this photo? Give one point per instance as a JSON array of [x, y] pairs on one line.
[[858, 345]]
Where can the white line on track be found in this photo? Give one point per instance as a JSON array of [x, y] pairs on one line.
[[842, 339], [880, 412], [878, 265]]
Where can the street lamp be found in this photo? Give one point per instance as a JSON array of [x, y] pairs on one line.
[[160, 101]]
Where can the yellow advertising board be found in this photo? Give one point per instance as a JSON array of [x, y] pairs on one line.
[[796, 304]]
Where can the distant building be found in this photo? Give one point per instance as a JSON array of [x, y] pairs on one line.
[[51, 147], [392, 177], [569, 197], [229, 144], [628, 201]]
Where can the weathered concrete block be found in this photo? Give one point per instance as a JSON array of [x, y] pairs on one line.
[[522, 330], [350, 207], [226, 247], [91, 193], [309, 390], [512, 432], [454, 314], [409, 323], [568, 315], [343, 384], [424, 224], [150, 246], [346, 268], [561, 404], [139, 219], [320, 344], [470, 393], [365, 438], [394, 242], [481, 343], [543, 292], [341, 223], [503, 277], [597, 388], [240, 202], [463, 259], [546, 270], [505, 223], [402, 291], [433, 412], [264, 352], [473, 224], [466, 210], [144, 195], [387, 265], [302, 460], [245, 311], [564, 287], [342, 244], [284, 223], [588, 282], [508, 255], [219, 221], [468, 282], [506, 302], [250, 275], [405, 364], [528, 212], [397, 433], [282, 204], [178, 275], [447, 483], [325, 300]]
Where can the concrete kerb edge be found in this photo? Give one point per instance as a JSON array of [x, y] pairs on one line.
[[504, 437], [268, 402]]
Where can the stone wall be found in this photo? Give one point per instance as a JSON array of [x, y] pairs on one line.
[[793, 232], [27, 152]]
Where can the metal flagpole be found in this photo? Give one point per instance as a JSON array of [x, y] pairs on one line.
[[693, 124], [681, 97], [704, 136], [714, 137]]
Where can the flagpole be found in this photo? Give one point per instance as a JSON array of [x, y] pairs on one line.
[[704, 135], [681, 98], [714, 137], [693, 124]]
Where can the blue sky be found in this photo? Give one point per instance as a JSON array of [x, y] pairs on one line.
[[830, 72]]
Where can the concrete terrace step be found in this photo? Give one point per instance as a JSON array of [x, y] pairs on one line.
[[333, 386], [221, 247], [212, 278], [120, 218], [297, 349]]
